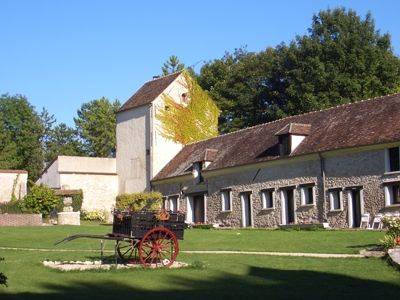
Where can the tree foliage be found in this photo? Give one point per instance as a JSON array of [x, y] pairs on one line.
[[96, 123], [172, 65], [62, 140], [195, 120], [22, 133], [342, 59]]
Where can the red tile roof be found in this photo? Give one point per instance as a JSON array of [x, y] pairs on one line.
[[149, 91], [372, 121], [14, 171], [295, 128]]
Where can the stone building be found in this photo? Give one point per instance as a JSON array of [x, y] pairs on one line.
[[95, 176], [325, 166]]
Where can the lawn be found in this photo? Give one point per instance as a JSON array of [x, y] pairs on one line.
[[214, 277]]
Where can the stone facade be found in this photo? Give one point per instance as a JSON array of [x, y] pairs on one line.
[[12, 181], [361, 168]]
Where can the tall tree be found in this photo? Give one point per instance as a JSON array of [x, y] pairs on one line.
[[96, 123], [343, 58], [62, 140], [172, 65], [22, 133]]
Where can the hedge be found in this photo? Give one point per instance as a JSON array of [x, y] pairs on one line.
[[138, 201], [77, 200]]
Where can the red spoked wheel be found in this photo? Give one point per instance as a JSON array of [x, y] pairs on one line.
[[158, 248], [126, 250]]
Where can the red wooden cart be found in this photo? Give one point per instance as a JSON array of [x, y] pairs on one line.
[[148, 237]]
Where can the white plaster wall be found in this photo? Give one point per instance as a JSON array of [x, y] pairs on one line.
[[163, 150], [99, 190], [81, 164], [133, 138], [51, 177], [296, 140], [7, 183]]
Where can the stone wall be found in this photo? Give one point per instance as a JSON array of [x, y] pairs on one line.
[[364, 169], [20, 219]]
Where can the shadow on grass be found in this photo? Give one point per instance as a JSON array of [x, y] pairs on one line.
[[259, 283], [364, 246]]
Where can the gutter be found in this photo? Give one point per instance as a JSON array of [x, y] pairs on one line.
[[322, 165]]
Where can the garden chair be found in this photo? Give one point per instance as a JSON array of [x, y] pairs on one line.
[[377, 222], [365, 221]]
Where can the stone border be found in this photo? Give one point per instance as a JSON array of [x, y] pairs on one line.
[[66, 266], [21, 220], [394, 255]]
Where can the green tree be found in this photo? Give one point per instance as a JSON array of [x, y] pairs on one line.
[[172, 65], [62, 140], [342, 59], [96, 126], [22, 133]]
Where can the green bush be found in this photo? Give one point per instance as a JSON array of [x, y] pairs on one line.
[[392, 237], [40, 199], [12, 207], [77, 200], [3, 278], [138, 201]]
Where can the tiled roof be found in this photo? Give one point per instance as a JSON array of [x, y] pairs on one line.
[[149, 91], [14, 171], [372, 121], [295, 128]]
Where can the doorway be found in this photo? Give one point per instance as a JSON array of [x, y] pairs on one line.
[[355, 207], [288, 206], [195, 209], [247, 220]]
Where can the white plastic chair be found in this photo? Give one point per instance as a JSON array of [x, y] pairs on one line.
[[377, 222], [365, 221]]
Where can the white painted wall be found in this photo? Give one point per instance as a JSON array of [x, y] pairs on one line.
[[7, 180], [133, 138], [139, 130], [296, 140], [50, 176], [95, 176], [99, 191]]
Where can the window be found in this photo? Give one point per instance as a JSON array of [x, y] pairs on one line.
[[196, 171], [392, 194], [335, 197], [226, 200], [284, 144], [307, 195], [267, 198], [393, 159], [173, 203]]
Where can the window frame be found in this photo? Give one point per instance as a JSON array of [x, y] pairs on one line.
[[331, 199], [271, 192], [305, 188], [389, 194], [170, 199], [388, 162], [229, 193]]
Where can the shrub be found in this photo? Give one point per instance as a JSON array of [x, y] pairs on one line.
[[392, 237], [94, 215], [40, 199], [77, 200], [3, 278], [138, 201], [12, 207]]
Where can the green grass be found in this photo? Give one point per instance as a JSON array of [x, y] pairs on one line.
[[320, 241], [223, 277]]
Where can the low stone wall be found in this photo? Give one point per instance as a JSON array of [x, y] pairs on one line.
[[20, 219]]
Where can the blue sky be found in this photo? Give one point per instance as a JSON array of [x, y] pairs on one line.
[[61, 54]]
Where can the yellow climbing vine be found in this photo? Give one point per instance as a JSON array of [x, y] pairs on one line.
[[189, 122]]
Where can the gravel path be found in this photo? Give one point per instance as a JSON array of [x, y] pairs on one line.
[[318, 255]]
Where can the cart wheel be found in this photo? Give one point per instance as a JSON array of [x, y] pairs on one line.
[[158, 247], [126, 249]]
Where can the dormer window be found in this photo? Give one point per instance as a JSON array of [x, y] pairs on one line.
[[290, 136], [196, 171], [284, 144]]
